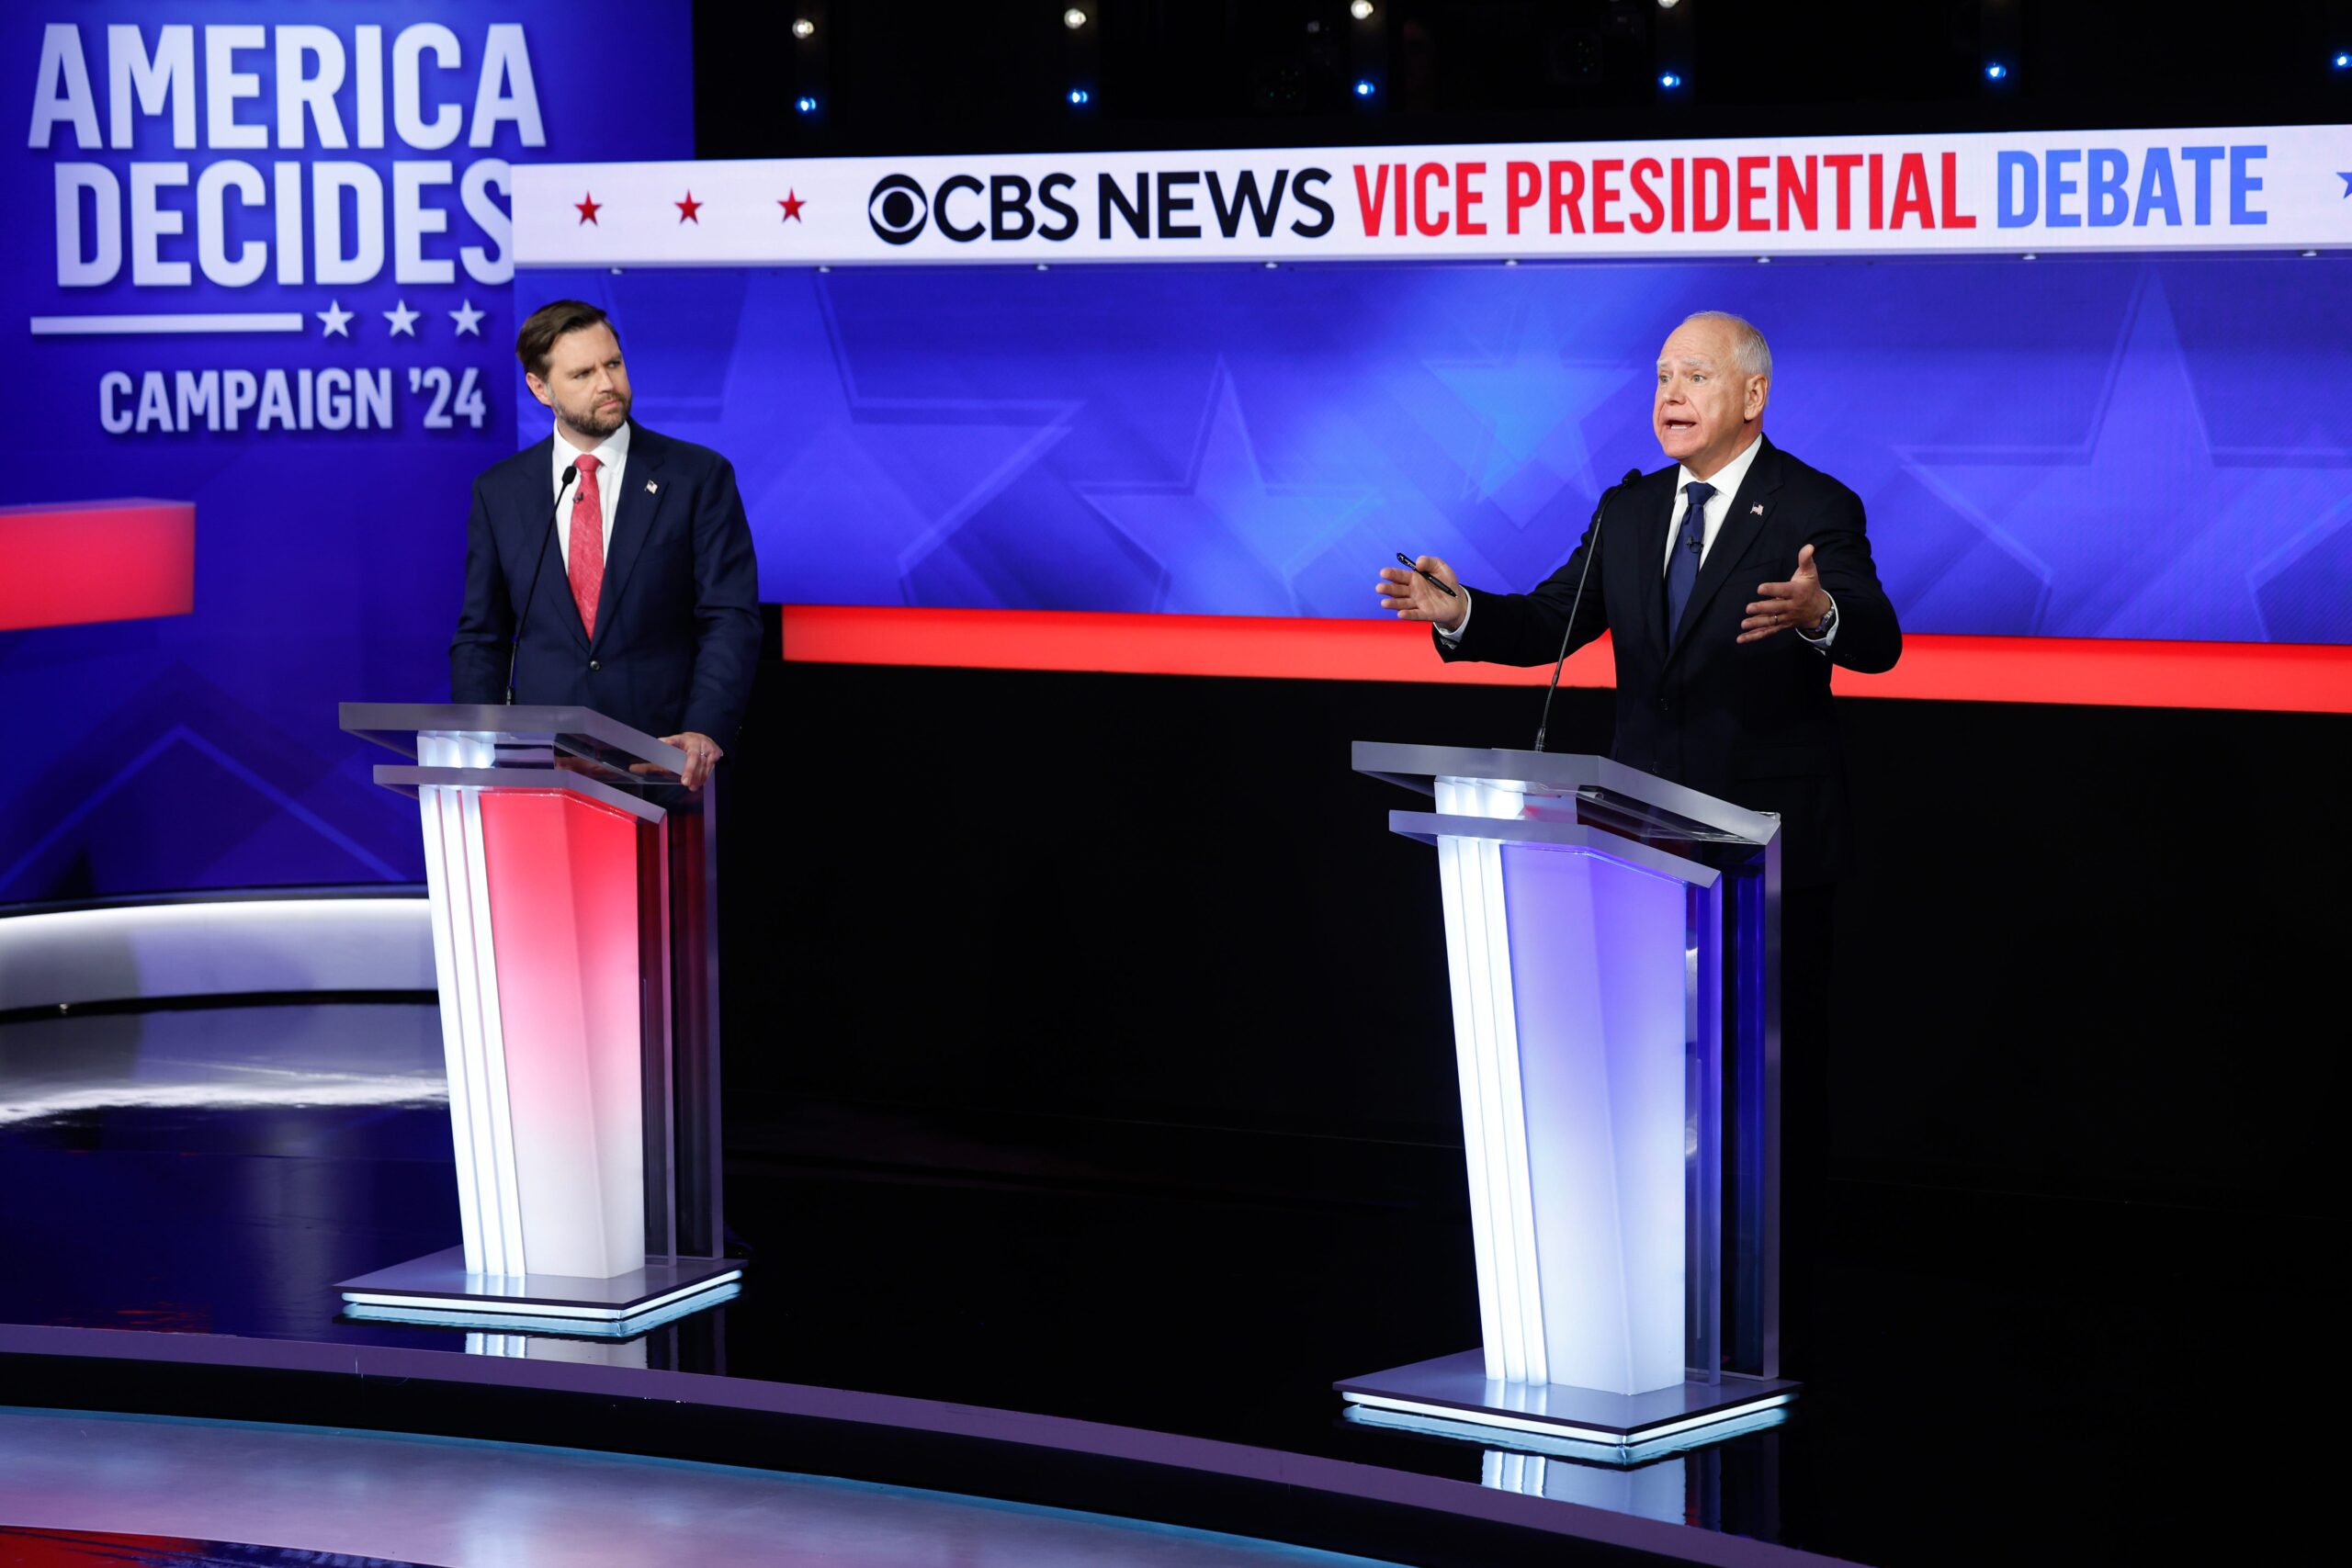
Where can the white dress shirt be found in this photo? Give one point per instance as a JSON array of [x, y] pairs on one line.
[[1726, 480], [612, 459]]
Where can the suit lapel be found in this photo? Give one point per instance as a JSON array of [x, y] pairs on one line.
[[643, 490], [1751, 508]]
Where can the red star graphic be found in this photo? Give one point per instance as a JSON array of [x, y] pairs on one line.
[[688, 209], [588, 206], [792, 204]]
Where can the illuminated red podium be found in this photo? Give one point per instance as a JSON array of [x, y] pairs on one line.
[[574, 890]]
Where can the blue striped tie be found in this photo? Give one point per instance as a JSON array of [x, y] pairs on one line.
[[1682, 571]]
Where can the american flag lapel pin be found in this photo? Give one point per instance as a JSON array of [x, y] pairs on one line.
[[1756, 510], [652, 489]]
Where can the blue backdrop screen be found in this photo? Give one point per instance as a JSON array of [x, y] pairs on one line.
[[2125, 448], [315, 198], [2115, 448]]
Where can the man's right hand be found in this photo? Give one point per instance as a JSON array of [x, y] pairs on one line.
[[1409, 594]]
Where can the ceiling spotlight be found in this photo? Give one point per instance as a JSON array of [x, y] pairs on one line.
[[1996, 72], [1666, 4], [1073, 18], [1363, 89], [2343, 60], [806, 106], [1360, 10], [1080, 97], [804, 28], [1669, 81]]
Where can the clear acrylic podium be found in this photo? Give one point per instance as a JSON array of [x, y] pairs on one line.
[[1612, 942], [573, 889]]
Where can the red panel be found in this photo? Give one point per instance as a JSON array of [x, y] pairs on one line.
[[31, 1546], [97, 560], [2279, 676], [564, 913]]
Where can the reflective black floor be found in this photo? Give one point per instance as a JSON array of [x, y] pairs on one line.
[[1996, 1375]]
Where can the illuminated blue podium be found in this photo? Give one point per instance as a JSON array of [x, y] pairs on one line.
[[1612, 942]]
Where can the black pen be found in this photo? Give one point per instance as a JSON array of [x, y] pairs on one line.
[[1405, 561]]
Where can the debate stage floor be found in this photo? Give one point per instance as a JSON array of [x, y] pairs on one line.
[[400, 1500], [1004, 1308]]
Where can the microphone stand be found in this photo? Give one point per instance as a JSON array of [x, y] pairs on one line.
[[570, 472], [1569, 631]]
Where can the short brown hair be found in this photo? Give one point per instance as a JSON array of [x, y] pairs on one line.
[[536, 342]]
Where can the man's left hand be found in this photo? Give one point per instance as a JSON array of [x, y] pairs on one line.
[[702, 755], [1798, 602]]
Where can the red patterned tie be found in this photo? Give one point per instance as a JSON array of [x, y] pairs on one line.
[[587, 567]]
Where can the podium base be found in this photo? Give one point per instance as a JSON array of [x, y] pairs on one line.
[[437, 1289], [1452, 1396]]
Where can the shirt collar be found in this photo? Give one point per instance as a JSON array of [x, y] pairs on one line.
[[613, 449], [1730, 477]]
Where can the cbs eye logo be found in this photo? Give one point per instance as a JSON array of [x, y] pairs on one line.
[[897, 208]]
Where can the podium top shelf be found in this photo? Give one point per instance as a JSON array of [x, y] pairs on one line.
[[1638, 800], [577, 739]]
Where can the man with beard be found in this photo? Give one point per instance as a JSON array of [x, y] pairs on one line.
[[646, 599]]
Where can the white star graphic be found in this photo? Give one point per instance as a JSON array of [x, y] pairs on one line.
[[404, 320], [337, 319], [469, 320]]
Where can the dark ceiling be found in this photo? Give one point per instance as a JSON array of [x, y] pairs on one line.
[[996, 74]]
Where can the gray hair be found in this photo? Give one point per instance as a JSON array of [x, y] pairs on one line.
[[1750, 352]]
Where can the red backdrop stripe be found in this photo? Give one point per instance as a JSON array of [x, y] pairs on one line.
[[2286, 677]]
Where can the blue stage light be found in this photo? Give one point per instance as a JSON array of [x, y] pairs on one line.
[[1365, 89], [1996, 72], [1669, 81], [806, 106], [1080, 97], [2343, 60]]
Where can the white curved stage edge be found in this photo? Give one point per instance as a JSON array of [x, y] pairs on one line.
[[256, 945]]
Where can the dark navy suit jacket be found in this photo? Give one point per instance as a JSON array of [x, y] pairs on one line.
[[1751, 723], [677, 617]]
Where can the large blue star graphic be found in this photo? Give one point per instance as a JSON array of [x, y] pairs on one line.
[[854, 492], [1530, 405], [1227, 542], [2139, 532]]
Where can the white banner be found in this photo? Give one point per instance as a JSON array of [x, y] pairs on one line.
[[2263, 188]]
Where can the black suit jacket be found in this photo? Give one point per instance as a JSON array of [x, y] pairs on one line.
[[677, 617], [1752, 723]]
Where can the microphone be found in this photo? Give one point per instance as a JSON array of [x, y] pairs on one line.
[[570, 472], [1569, 630]]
